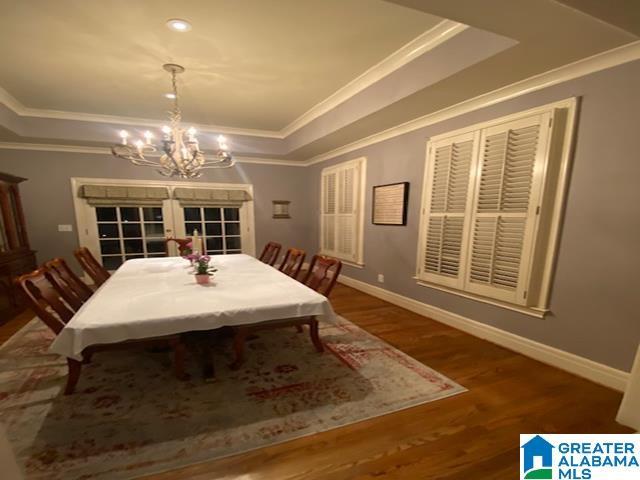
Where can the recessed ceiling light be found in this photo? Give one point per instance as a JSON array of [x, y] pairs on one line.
[[170, 95], [178, 25]]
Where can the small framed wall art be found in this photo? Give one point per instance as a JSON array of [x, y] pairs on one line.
[[390, 204], [281, 209]]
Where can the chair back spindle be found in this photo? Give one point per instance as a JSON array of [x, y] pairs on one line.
[[59, 267], [91, 266], [323, 274], [44, 297], [66, 293], [292, 263], [270, 253]]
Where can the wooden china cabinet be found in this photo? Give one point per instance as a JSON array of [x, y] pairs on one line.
[[16, 257]]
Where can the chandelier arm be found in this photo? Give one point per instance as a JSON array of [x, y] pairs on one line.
[[137, 160], [231, 163], [145, 162]]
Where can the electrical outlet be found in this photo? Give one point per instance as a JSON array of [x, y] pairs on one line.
[[380, 278], [65, 228]]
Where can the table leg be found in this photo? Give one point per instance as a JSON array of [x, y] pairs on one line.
[[208, 366], [315, 337], [238, 346], [74, 367], [178, 359]]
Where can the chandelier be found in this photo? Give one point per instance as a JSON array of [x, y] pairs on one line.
[[178, 155]]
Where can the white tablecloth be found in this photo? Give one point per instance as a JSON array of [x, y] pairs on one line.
[[154, 297]]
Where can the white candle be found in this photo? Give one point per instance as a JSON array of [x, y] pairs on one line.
[[195, 241]]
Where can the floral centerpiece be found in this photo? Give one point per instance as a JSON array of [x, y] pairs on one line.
[[203, 271]]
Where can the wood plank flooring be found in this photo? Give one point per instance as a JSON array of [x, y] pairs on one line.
[[471, 435]]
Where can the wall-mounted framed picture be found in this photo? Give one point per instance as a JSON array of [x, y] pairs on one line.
[[390, 204], [281, 209]]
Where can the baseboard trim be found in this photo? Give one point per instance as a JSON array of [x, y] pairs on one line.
[[583, 367]]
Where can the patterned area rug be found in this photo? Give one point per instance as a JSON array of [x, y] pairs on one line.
[[130, 416]]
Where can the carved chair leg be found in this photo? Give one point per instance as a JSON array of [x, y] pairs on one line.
[[74, 367], [315, 337], [238, 346]]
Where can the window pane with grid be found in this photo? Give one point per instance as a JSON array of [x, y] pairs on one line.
[[219, 227], [125, 233]]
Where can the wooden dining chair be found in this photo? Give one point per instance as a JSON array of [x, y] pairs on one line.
[[45, 299], [91, 266], [292, 263], [61, 270], [270, 253], [65, 292], [182, 243], [322, 276]]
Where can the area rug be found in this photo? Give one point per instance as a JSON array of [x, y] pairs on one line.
[[130, 417]]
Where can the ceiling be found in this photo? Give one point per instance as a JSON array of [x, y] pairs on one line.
[[549, 34], [250, 63], [256, 64]]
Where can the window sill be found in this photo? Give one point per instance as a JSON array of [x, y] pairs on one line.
[[531, 311], [348, 263]]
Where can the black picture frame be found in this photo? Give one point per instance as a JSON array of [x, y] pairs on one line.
[[405, 204]]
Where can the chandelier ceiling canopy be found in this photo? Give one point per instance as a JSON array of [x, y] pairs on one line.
[[178, 154]]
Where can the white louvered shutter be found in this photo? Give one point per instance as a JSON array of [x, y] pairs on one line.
[[328, 214], [347, 217], [446, 209], [507, 193]]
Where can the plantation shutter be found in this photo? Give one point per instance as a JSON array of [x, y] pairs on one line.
[[348, 194], [328, 212], [507, 193], [446, 209]]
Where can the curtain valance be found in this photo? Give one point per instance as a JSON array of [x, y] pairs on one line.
[[214, 197], [123, 195]]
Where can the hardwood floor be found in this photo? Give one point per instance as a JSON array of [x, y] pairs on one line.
[[471, 435]]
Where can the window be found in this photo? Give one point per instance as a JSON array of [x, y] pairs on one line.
[[342, 206], [219, 227], [129, 232], [491, 206], [119, 220]]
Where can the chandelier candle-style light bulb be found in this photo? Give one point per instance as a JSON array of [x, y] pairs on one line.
[[179, 153]]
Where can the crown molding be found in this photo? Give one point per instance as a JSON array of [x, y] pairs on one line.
[[50, 147], [44, 147], [428, 40], [418, 46], [21, 110], [601, 61], [270, 161]]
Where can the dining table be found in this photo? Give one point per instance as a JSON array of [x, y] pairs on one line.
[[154, 297]]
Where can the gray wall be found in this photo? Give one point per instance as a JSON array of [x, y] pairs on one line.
[[595, 302], [48, 201], [595, 297]]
